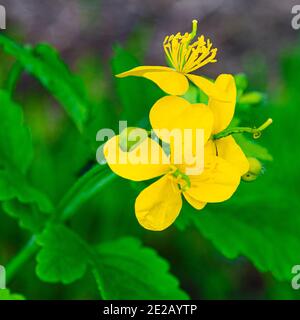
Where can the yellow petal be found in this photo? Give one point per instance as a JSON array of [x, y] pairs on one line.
[[207, 162], [157, 206], [193, 202], [173, 112], [146, 161], [169, 80], [210, 88], [229, 150], [186, 127], [215, 185], [223, 111]]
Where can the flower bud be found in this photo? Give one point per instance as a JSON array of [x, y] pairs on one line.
[[255, 169], [253, 97], [131, 137]]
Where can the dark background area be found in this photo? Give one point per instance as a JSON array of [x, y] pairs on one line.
[[242, 30]]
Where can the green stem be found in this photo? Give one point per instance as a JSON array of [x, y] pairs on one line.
[[77, 186], [20, 259], [79, 195], [13, 77], [255, 131]]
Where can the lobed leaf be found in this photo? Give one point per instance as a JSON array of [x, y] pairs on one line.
[[63, 257], [21, 200], [124, 269], [16, 148]]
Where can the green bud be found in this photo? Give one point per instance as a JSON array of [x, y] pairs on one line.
[[255, 169], [254, 97], [131, 137]]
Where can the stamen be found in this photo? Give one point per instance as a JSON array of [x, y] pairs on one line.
[[185, 56]]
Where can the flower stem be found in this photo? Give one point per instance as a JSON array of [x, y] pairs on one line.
[[255, 131], [21, 258], [83, 191]]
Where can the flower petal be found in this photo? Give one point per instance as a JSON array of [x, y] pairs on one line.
[[223, 111], [209, 87], [215, 185], [144, 162], [229, 150], [193, 202], [173, 112], [169, 80], [203, 161], [157, 206]]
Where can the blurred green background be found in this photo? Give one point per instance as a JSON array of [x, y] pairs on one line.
[[242, 249]]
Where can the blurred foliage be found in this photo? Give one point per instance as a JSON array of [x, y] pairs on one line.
[[67, 225], [6, 295]]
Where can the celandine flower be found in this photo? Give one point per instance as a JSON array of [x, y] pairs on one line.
[[224, 163], [158, 205], [185, 57]]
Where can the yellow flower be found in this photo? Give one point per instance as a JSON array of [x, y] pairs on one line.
[[158, 205], [172, 112], [185, 57]]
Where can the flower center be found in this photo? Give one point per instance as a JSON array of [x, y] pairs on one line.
[[185, 56], [182, 180]]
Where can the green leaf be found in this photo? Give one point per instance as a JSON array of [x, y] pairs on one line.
[[16, 147], [136, 95], [44, 63], [123, 269], [127, 270], [63, 257], [253, 149], [6, 295], [251, 224], [29, 215], [261, 221], [22, 201], [14, 185]]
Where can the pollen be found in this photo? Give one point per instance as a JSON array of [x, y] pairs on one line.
[[185, 56]]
